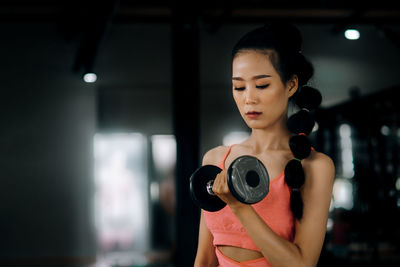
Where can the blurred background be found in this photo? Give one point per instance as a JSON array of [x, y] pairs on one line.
[[107, 107]]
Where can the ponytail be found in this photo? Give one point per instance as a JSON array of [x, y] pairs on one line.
[[301, 125]]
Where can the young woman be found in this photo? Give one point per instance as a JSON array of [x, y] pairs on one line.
[[286, 228]]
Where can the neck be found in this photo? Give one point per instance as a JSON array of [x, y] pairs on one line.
[[275, 137]]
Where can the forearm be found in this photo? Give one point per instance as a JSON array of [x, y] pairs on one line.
[[278, 251]]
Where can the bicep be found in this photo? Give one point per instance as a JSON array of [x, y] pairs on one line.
[[213, 156], [317, 192], [205, 255]]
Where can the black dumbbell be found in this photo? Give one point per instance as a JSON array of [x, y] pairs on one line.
[[247, 178]]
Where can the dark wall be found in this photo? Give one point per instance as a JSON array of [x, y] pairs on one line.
[[48, 120]]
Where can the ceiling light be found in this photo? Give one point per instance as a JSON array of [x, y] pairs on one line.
[[90, 77], [352, 34]]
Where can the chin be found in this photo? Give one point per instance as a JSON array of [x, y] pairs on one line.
[[257, 124]]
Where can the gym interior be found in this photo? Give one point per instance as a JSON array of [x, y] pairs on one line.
[[107, 107]]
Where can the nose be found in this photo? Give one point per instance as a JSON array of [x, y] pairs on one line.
[[251, 96]]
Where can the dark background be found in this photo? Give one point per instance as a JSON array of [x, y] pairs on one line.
[[164, 68]]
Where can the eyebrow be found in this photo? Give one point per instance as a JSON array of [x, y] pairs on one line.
[[254, 77]]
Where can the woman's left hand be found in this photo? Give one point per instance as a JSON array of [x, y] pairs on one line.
[[221, 189]]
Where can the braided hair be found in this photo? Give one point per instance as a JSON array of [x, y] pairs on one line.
[[282, 42]]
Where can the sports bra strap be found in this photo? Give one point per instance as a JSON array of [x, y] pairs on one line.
[[222, 163]]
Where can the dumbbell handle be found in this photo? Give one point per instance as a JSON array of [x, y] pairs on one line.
[[209, 187]]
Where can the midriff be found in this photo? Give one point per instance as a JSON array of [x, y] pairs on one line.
[[239, 254]]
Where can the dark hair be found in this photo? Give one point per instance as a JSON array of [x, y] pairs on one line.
[[282, 43]]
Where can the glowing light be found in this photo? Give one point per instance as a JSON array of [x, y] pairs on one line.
[[315, 128], [398, 183], [155, 191], [90, 77], [385, 130], [164, 152], [331, 205], [352, 34], [347, 151], [344, 130], [343, 194], [234, 138], [329, 224]]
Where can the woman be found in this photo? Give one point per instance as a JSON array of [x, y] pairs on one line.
[[286, 228]]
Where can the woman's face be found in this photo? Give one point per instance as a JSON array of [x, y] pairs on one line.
[[258, 90]]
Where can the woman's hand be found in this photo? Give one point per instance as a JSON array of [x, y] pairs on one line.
[[221, 189]]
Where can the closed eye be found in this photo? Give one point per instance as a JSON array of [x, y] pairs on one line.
[[262, 86], [259, 87]]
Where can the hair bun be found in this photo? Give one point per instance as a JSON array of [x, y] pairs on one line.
[[300, 146], [309, 98], [301, 122]]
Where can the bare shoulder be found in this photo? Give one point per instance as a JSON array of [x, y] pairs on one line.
[[214, 155], [318, 159], [319, 164]]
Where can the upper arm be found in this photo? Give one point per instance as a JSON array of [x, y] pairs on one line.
[[213, 156], [205, 255], [317, 192]]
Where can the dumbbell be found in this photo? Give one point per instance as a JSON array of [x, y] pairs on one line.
[[247, 178]]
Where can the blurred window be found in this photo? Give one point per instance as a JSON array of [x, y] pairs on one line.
[[121, 194]]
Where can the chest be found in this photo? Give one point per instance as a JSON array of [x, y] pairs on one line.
[[275, 162]]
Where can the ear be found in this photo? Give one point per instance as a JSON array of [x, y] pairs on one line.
[[292, 85]]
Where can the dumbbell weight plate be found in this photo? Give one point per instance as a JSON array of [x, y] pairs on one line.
[[198, 188], [248, 179]]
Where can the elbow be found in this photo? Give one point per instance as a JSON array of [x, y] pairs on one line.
[[308, 264], [301, 261], [204, 262]]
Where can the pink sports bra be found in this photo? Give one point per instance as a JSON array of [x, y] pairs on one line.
[[274, 209]]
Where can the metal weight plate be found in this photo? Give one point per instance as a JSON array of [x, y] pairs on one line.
[[248, 179], [198, 188]]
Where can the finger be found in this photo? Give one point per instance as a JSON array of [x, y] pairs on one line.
[[224, 181], [224, 174], [220, 183], [216, 186]]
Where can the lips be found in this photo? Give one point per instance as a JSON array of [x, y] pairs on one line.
[[253, 114]]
